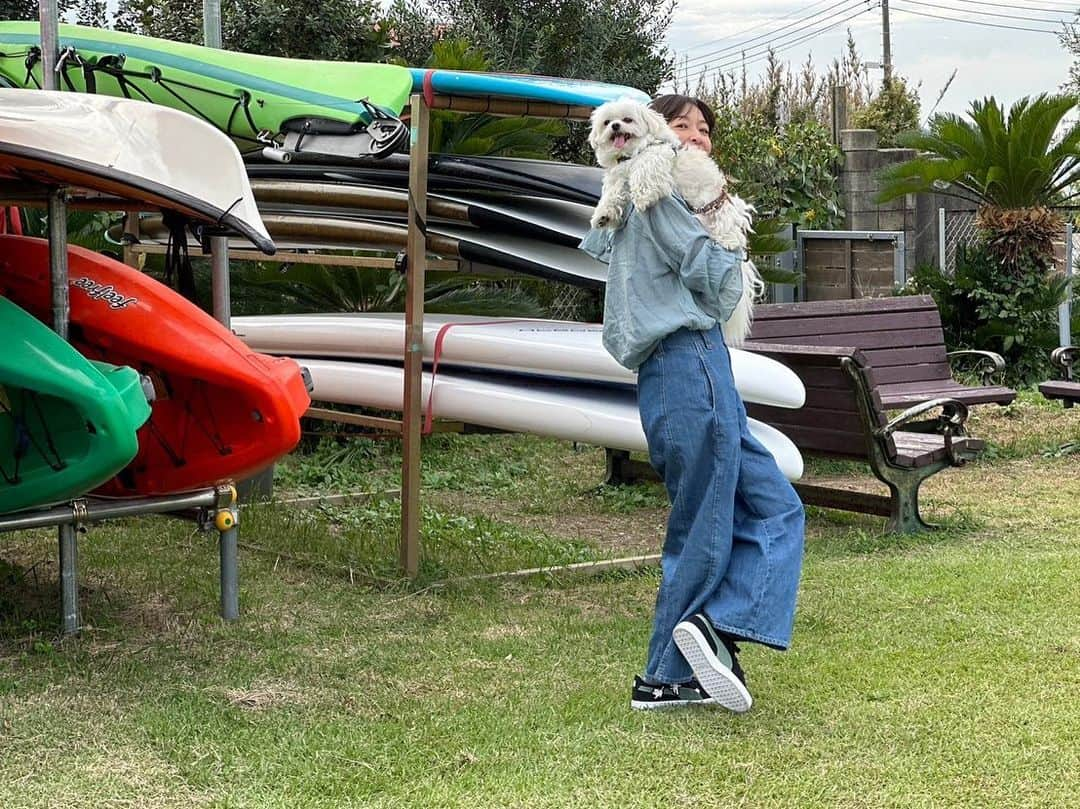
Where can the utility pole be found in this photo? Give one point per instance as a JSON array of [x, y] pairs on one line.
[[212, 23], [886, 60]]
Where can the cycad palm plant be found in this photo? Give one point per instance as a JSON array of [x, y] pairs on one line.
[[1015, 167], [453, 133], [317, 288]]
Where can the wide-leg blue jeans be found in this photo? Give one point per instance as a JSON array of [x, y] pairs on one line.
[[734, 540]]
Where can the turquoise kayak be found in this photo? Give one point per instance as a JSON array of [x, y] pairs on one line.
[[294, 106], [522, 87], [67, 424]]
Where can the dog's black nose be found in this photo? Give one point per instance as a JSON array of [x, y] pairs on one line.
[[615, 127]]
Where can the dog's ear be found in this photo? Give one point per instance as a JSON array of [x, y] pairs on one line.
[[596, 122], [656, 124]]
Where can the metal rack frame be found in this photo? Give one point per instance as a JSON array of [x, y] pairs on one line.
[[213, 507]]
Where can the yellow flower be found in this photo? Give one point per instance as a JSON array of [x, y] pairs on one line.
[[811, 215]]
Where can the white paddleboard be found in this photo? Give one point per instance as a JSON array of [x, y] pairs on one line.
[[549, 348], [603, 417]]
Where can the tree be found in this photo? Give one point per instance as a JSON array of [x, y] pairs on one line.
[[1014, 167], [93, 13], [601, 40], [1070, 38], [891, 112], [28, 9], [345, 30]]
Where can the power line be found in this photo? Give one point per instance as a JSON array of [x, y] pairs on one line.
[[738, 34], [780, 44], [974, 22], [800, 25], [1072, 7], [941, 7], [763, 53], [773, 34]]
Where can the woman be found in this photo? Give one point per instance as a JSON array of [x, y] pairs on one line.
[[733, 551]]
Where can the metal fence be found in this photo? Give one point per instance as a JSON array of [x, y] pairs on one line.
[[956, 228]]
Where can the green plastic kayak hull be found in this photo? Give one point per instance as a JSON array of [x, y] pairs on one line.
[[255, 99], [67, 424]]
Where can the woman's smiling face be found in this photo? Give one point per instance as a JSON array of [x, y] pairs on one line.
[[692, 129]]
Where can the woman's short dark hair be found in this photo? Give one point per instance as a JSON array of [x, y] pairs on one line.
[[671, 105]]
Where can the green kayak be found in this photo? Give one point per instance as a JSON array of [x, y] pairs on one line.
[[67, 424], [286, 107]]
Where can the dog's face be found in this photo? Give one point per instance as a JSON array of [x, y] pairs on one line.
[[620, 129]]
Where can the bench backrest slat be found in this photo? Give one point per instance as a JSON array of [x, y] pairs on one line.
[[901, 338], [773, 326], [829, 424]]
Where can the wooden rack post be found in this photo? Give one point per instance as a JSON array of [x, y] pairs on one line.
[[416, 266]]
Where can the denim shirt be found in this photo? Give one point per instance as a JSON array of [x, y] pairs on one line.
[[664, 274]]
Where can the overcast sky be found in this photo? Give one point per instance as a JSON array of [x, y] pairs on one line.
[[1005, 63]]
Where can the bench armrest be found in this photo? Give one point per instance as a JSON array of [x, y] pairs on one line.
[[991, 361], [949, 423], [1065, 357]]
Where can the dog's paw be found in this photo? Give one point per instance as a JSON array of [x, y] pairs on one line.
[[606, 216]]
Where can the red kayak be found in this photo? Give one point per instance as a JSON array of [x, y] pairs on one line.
[[222, 411]]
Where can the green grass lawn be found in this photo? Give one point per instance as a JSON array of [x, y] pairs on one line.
[[937, 670]]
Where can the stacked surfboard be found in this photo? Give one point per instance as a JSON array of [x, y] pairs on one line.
[[536, 376]]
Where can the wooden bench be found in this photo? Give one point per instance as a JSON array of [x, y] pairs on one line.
[[1067, 390], [900, 337], [844, 418]]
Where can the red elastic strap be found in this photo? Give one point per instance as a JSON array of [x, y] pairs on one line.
[[429, 87], [429, 416]]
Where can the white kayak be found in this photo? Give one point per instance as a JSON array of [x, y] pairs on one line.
[[548, 348], [606, 417], [128, 151]]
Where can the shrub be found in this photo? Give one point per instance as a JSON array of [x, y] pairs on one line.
[[987, 306], [787, 173]]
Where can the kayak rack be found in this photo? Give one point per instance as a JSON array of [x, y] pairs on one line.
[[213, 508], [414, 263]]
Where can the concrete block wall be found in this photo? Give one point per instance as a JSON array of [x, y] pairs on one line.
[[859, 185]]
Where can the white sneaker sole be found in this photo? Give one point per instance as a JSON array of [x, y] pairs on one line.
[[669, 705], [718, 680]]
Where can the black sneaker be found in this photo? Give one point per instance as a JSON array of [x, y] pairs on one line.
[[713, 658], [647, 697]]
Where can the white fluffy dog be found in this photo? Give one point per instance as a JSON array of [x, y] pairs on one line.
[[645, 162]]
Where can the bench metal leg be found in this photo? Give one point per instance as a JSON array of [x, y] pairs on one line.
[[904, 485], [905, 517], [622, 470]]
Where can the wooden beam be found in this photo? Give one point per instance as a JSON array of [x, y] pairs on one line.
[[508, 107], [416, 251], [291, 257], [355, 419]]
